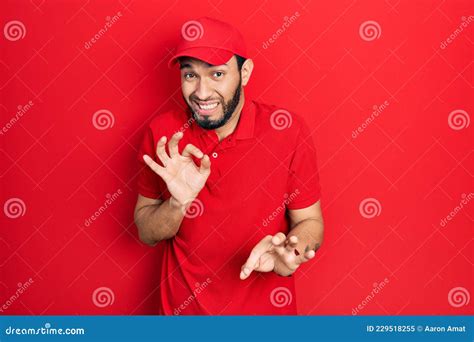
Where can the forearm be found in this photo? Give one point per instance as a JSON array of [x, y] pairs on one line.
[[159, 222], [310, 234]]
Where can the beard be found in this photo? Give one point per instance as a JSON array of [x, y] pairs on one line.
[[228, 109]]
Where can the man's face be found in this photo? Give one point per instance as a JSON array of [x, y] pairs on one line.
[[212, 92]]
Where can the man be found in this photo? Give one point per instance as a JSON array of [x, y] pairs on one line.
[[231, 191]]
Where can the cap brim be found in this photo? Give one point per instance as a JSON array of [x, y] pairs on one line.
[[209, 55]]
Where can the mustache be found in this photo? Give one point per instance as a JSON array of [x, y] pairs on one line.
[[195, 98]]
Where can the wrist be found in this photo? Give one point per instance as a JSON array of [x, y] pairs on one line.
[[179, 205]]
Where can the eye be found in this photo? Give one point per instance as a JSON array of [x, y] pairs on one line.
[[188, 75], [218, 74]]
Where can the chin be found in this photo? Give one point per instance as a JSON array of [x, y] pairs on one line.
[[208, 118]]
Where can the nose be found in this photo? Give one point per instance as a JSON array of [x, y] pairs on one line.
[[203, 90]]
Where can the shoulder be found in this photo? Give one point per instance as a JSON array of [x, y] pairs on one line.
[[281, 121], [168, 122]]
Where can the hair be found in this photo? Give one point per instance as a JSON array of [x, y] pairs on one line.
[[240, 61]]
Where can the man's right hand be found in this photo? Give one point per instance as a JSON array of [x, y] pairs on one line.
[[181, 175]]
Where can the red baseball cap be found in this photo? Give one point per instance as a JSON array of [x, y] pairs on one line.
[[209, 40]]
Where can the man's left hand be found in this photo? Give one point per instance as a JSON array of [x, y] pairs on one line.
[[275, 253]]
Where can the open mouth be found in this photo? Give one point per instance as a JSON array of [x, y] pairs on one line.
[[206, 108]]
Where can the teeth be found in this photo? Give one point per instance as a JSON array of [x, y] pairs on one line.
[[208, 107]]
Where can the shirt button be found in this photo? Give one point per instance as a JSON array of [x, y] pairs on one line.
[[214, 155]]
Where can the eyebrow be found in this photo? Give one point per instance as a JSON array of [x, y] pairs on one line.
[[188, 65], [185, 65]]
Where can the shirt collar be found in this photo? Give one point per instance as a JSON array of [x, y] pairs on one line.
[[245, 127]]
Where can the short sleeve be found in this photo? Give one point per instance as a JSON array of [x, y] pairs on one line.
[[149, 184], [303, 180]]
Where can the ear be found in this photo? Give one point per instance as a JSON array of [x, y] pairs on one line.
[[246, 71]]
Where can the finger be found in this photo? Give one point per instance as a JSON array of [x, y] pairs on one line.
[[278, 242], [259, 249], [205, 167], [173, 144], [291, 243], [190, 149], [161, 152], [158, 169], [279, 239], [308, 255]]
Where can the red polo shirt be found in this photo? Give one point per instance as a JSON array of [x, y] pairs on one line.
[[268, 164]]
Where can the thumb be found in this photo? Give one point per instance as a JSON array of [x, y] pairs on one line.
[[205, 167], [252, 262]]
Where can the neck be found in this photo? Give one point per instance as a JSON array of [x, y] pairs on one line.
[[229, 127]]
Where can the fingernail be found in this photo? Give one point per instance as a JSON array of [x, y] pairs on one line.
[[246, 271], [145, 157]]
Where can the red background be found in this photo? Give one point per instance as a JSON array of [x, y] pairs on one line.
[[408, 158]]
